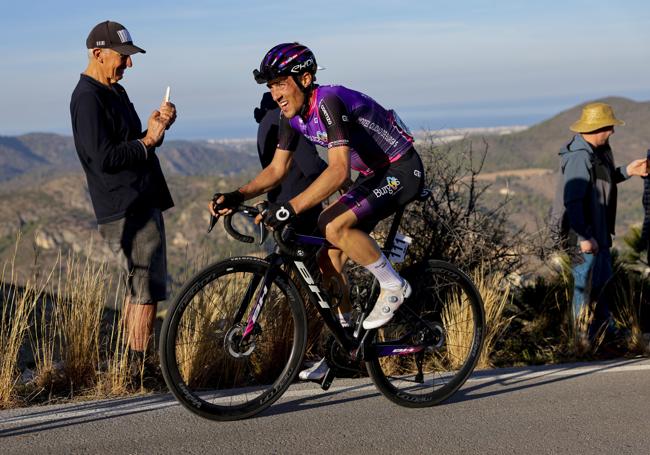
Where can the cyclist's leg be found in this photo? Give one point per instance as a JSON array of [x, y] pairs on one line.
[[340, 231], [331, 262], [347, 224]]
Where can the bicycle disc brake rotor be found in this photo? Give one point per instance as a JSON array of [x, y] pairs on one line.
[[236, 345]]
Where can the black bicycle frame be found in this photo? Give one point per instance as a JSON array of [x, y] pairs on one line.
[[317, 297]]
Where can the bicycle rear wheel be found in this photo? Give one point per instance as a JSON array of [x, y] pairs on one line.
[[210, 363], [430, 347]]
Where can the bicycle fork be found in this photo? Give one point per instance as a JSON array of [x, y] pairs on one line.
[[259, 300]]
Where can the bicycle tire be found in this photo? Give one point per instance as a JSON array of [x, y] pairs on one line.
[[447, 299], [205, 368]]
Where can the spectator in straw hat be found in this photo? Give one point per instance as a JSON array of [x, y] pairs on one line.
[[589, 193]]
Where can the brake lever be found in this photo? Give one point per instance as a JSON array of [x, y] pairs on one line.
[[264, 233], [213, 221]]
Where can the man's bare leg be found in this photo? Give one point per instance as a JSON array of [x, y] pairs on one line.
[[139, 320], [337, 223]]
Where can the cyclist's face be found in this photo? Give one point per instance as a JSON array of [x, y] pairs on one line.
[[286, 93]]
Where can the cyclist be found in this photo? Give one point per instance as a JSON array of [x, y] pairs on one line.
[[359, 134]]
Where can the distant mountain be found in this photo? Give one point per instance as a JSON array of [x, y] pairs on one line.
[[44, 153], [539, 145]]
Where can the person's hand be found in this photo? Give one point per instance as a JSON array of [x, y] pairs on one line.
[[168, 113], [589, 246], [223, 203], [155, 130], [638, 167], [277, 215]]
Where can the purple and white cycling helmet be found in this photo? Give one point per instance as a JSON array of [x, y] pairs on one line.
[[286, 59]]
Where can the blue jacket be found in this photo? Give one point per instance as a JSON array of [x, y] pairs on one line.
[[589, 189]]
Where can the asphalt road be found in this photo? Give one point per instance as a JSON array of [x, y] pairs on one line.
[[587, 408]]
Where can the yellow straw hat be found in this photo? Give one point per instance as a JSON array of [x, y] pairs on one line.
[[594, 117]]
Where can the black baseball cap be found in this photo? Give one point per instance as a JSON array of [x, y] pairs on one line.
[[111, 35]]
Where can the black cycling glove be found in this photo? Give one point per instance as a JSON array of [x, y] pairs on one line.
[[231, 200], [277, 215]]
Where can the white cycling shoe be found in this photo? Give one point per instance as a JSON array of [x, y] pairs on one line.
[[316, 372], [388, 302]]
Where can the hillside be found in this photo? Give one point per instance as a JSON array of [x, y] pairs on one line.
[[539, 145], [44, 195], [56, 215], [44, 154]]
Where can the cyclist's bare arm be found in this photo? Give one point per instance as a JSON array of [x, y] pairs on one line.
[[332, 178], [270, 176]]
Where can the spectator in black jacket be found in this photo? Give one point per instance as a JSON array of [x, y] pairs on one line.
[[127, 188], [305, 167]]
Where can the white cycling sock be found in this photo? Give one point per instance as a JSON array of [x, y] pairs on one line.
[[385, 273]]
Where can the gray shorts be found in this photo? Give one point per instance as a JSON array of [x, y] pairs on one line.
[[139, 242]]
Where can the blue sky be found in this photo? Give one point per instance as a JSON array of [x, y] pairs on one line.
[[439, 64]]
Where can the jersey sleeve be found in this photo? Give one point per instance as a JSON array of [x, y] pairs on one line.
[[287, 136], [336, 120]]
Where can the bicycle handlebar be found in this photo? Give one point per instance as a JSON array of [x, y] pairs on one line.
[[234, 233], [286, 247]]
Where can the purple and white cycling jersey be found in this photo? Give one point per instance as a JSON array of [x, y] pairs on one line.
[[339, 116]]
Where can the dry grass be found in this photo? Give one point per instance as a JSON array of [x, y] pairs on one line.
[[628, 293], [458, 320], [17, 309], [116, 379], [75, 353], [79, 306], [580, 342], [495, 289]]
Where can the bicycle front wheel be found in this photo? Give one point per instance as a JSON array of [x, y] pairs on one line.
[[430, 347], [215, 363]]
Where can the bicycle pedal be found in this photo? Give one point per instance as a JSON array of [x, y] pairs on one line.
[[327, 379]]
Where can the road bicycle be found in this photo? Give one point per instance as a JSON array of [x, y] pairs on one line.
[[235, 336]]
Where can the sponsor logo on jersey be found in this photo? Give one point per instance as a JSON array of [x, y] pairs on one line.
[[322, 136], [326, 114], [417, 173], [392, 186]]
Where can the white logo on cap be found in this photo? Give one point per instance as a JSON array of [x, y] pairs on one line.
[[124, 35]]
